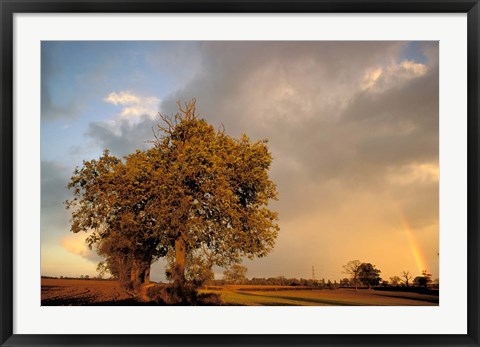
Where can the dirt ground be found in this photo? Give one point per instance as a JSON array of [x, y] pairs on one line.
[[61, 292]]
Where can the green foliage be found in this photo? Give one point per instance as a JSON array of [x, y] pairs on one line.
[[198, 196], [235, 274], [186, 295], [113, 200], [215, 190], [199, 271]]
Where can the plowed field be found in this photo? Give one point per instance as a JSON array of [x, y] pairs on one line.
[[84, 292]]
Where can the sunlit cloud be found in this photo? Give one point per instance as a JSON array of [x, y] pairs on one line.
[[415, 173], [75, 244], [378, 79], [122, 98], [134, 107]]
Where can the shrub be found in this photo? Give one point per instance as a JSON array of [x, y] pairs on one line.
[[181, 295]]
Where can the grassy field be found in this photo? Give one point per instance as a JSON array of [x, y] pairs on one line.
[[61, 292], [281, 296]]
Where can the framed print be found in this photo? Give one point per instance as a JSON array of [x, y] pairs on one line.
[[239, 173]]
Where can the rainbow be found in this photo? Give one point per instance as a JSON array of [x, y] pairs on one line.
[[417, 253]]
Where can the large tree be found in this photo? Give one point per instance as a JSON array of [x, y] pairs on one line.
[[214, 191], [114, 200], [198, 195]]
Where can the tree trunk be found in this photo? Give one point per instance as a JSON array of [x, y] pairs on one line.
[[146, 276], [180, 258], [135, 275], [143, 280], [356, 286]]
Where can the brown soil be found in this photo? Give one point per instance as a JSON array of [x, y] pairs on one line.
[[84, 292]]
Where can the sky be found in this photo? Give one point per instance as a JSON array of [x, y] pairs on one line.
[[353, 128]]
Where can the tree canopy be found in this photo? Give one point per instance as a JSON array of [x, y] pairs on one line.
[[235, 274], [214, 193], [115, 201], [369, 275], [197, 195], [424, 280]]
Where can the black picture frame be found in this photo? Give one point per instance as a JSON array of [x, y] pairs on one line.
[[10, 7]]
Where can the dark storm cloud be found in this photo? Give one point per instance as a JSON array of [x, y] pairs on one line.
[[126, 138], [51, 71], [306, 98], [53, 180]]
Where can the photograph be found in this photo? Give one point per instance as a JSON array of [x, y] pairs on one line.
[[244, 173]]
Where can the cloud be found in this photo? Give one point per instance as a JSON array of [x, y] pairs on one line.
[[55, 103], [51, 110], [131, 128], [134, 107], [75, 244], [378, 79], [122, 98], [122, 137], [414, 173], [353, 129], [54, 179]]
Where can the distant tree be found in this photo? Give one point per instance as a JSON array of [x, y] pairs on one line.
[[352, 268], [294, 282], [345, 282], [395, 281], [235, 274], [369, 275], [406, 277], [424, 280]]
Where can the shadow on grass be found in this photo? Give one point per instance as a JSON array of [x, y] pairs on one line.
[[430, 300], [310, 300]]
